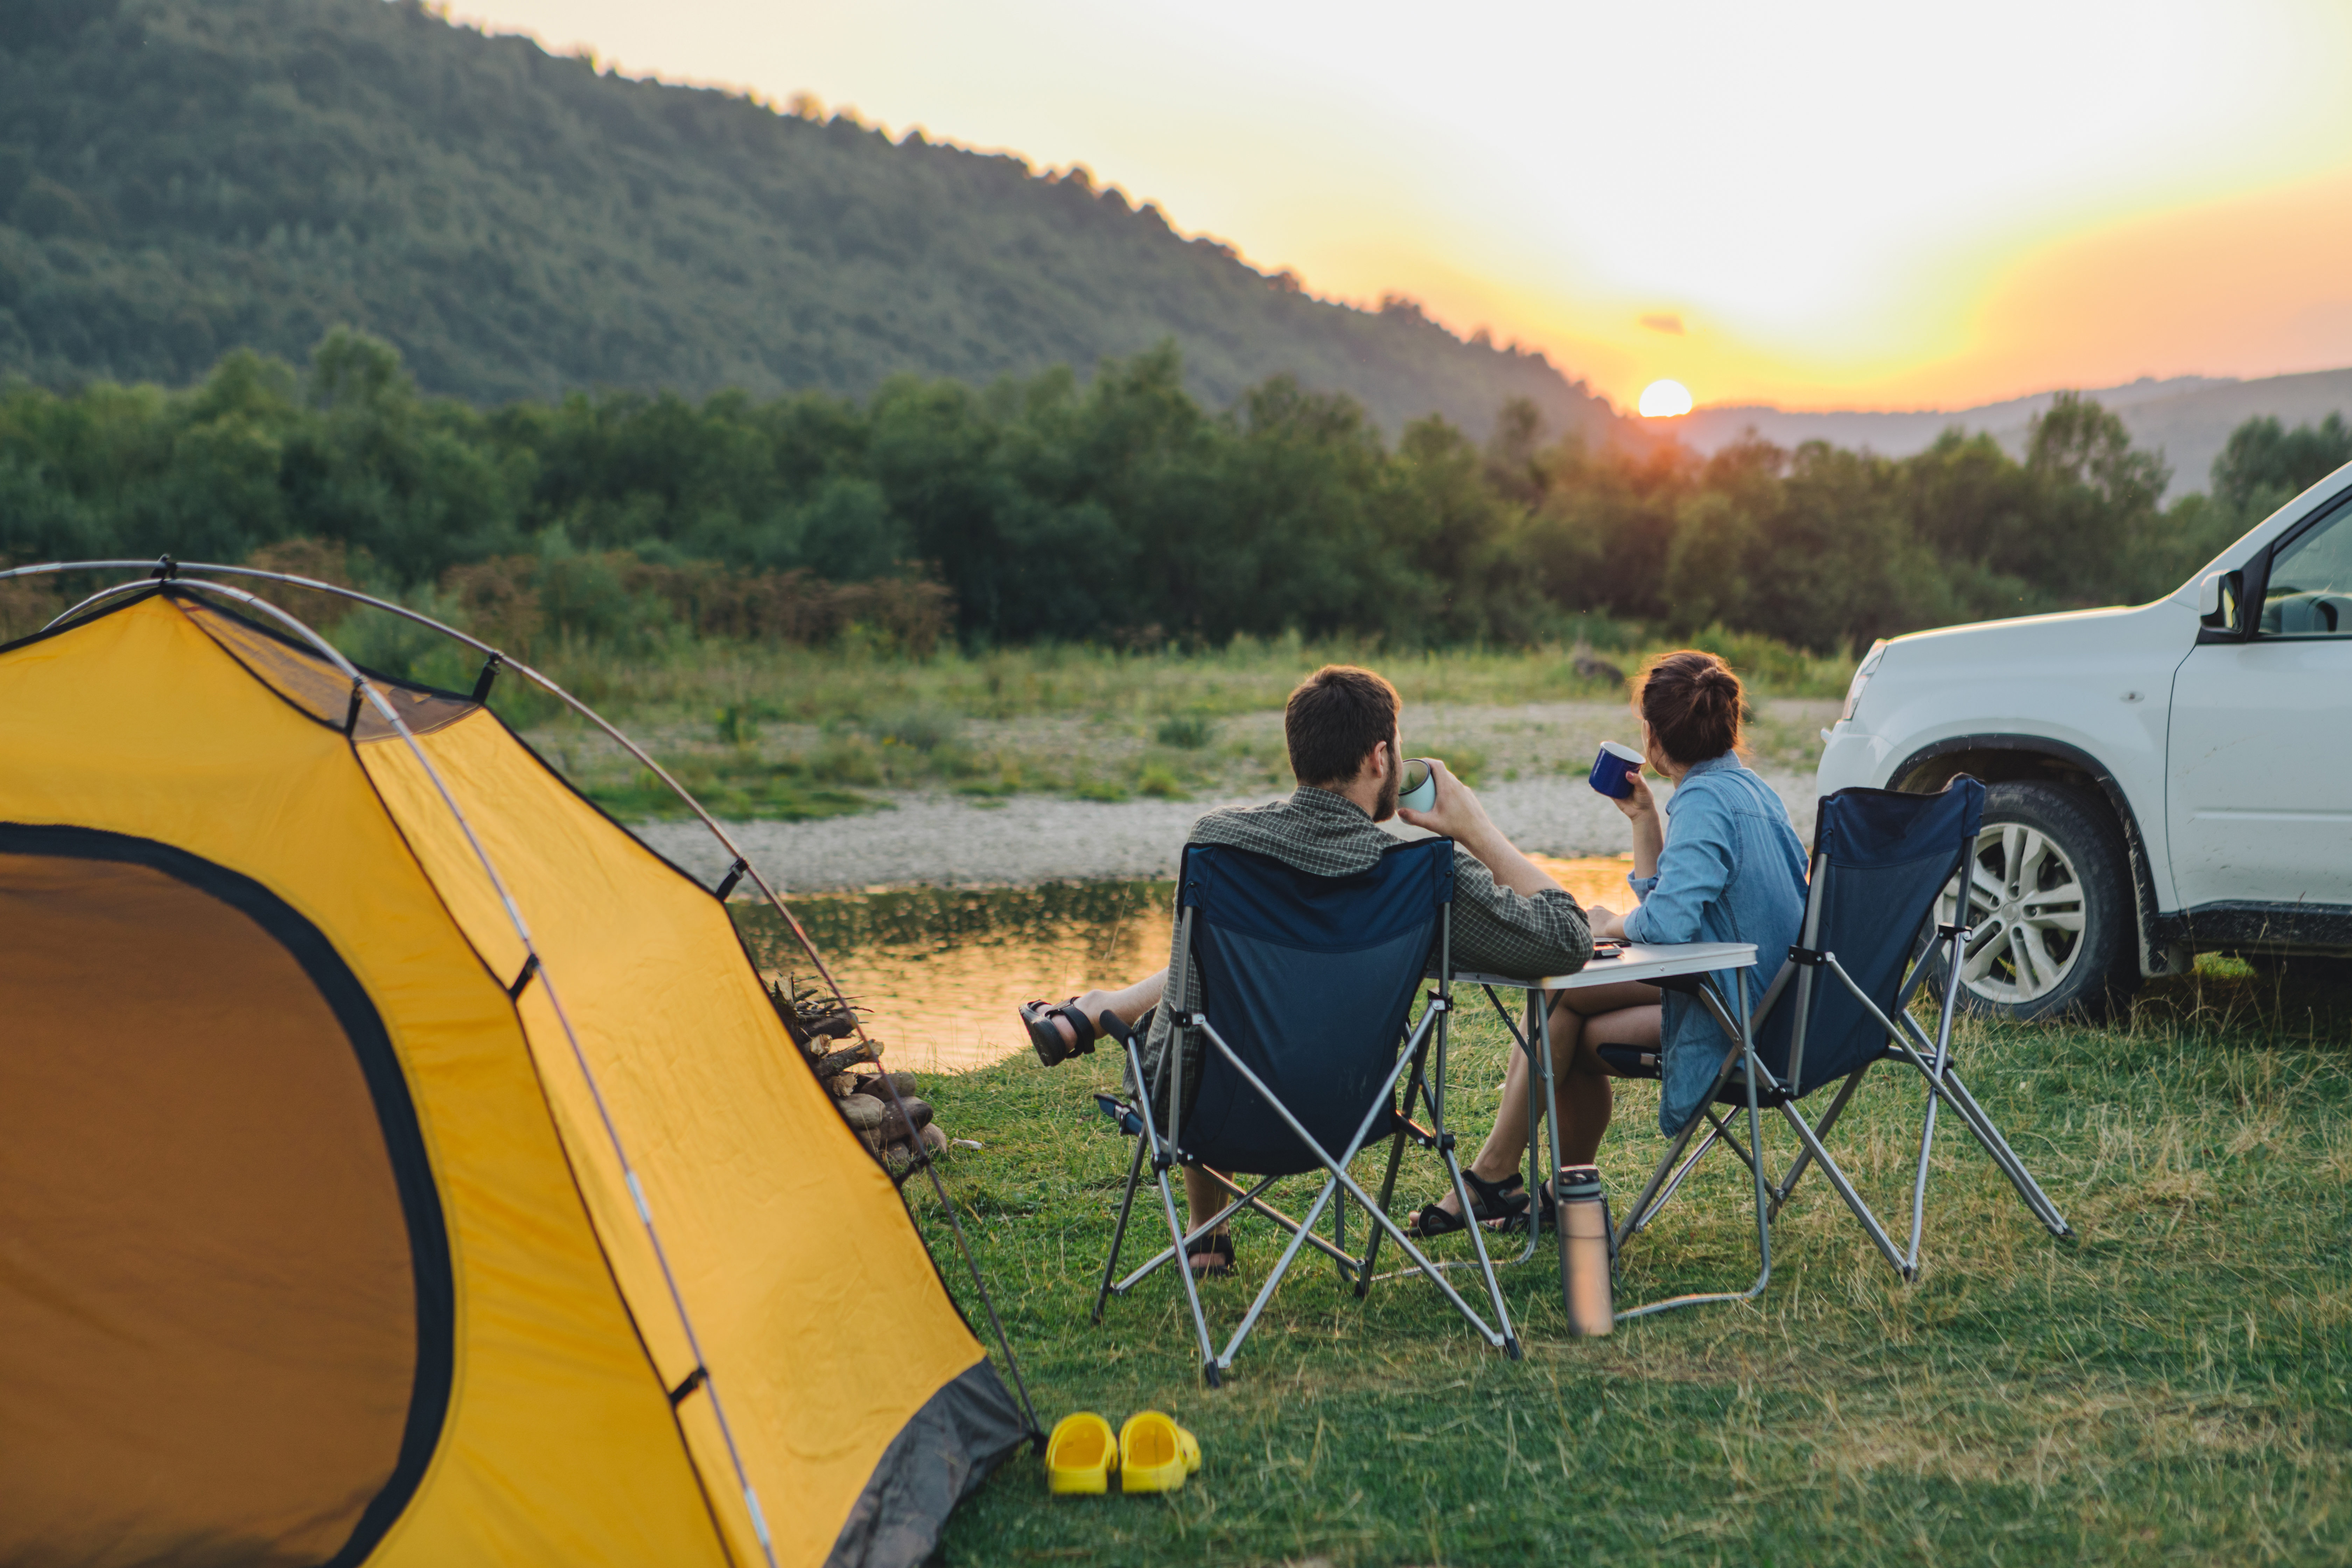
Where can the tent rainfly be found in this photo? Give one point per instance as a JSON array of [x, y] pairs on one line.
[[400, 1163]]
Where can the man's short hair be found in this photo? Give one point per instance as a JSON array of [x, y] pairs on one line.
[[1334, 720]]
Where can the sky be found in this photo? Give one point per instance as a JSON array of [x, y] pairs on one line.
[[1823, 203]]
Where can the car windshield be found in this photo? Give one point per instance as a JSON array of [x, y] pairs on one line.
[[2310, 590]]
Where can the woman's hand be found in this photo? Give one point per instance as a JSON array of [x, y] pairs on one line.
[[1606, 924], [1641, 809], [1641, 803]]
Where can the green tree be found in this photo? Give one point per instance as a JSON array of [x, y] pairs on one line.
[[2263, 466]]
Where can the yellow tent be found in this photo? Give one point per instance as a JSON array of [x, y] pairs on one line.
[[400, 1163]]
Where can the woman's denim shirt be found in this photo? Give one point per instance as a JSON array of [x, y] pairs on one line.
[[1732, 871]]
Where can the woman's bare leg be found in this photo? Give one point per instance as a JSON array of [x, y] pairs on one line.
[[1598, 1015]]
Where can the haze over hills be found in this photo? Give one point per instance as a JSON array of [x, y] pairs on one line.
[[180, 178], [2190, 417]]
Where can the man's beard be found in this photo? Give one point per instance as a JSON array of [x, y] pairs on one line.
[[1385, 806]]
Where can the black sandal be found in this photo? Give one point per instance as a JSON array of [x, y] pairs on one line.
[[1218, 1247], [1505, 1201], [1048, 1039]]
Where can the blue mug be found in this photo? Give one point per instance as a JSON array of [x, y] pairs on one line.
[[1609, 767]]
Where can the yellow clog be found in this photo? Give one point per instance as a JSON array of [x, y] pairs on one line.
[[1081, 1455], [1155, 1455]]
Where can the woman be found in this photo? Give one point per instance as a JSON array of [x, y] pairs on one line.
[[1732, 871]]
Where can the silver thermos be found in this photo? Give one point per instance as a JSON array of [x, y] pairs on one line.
[[1584, 1252]]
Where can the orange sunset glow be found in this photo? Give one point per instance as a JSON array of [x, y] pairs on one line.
[[1833, 204]]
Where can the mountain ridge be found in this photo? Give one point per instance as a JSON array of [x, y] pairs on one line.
[[2190, 417], [178, 179]]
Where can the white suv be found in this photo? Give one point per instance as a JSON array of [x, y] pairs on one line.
[[2163, 781]]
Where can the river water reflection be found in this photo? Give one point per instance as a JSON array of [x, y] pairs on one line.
[[941, 971]]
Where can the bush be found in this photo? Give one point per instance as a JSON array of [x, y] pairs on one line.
[[1187, 732], [925, 729]]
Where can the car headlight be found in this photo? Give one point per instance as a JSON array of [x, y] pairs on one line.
[[1861, 674]]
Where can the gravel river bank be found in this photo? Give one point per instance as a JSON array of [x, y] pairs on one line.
[[945, 840]]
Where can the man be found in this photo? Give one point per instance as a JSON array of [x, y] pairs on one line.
[[1509, 918]]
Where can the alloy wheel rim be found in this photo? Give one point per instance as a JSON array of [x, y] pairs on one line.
[[2025, 913]]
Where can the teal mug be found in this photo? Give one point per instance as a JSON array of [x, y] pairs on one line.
[[1418, 790]]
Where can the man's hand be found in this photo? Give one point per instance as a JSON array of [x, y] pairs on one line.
[[1457, 814]]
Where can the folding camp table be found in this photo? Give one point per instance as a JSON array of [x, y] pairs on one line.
[[1648, 964]]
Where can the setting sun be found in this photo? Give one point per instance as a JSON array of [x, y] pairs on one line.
[[1665, 399]]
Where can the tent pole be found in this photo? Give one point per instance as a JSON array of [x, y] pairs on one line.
[[775, 899]]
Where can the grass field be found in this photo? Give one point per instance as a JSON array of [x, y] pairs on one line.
[[794, 734], [2170, 1385]]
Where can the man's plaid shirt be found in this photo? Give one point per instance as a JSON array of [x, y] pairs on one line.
[[1325, 833]]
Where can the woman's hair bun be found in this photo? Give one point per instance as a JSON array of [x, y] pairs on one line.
[[1692, 702]]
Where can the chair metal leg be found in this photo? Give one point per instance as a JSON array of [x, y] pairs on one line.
[[1461, 1197], [1166, 1255], [1988, 1135], [1525, 1041], [2011, 1166], [1209, 1368], [1388, 1195], [1119, 1235], [1647, 1203], [1339, 1174], [1821, 1132], [1160, 1168], [1845, 1190], [1729, 1139], [1753, 1071], [1682, 1172], [1274, 1278], [1413, 1090], [1937, 1068], [1654, 1196], [1978, 1122]]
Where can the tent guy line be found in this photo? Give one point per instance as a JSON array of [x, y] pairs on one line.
[[363, 686]]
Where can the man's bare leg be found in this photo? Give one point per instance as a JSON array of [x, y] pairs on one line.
[[1202, 1197], [1129, 1003]]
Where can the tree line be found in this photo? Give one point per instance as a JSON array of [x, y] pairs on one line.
[[1119, 510]]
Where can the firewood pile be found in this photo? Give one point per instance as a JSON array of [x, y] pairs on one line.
[[898, 1127]]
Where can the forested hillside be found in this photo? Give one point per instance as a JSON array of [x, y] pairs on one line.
[[182, 177], [1118, 510]]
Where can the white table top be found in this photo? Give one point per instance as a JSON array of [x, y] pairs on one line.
[[1634, 960]]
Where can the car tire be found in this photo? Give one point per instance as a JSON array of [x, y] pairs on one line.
[[2053, 927]]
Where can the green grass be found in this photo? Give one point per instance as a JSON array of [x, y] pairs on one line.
[[2170, 1385], [792, 732], [747, 794], [704, 680]]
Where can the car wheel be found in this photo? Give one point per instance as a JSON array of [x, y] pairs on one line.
[[2050, 913]]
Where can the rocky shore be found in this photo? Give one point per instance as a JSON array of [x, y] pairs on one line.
[[948, 840]]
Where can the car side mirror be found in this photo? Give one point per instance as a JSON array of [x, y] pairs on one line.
[[2218, 598]]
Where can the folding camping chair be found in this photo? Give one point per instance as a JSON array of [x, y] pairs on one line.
[[1880, 859], [1306, 985]]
